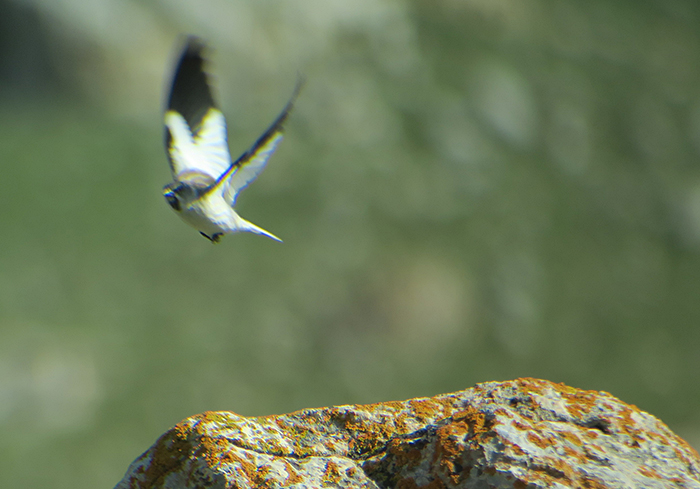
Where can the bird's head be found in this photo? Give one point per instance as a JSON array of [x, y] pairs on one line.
[[176, 194]]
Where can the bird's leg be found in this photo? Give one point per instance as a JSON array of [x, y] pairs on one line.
[[214, 238]]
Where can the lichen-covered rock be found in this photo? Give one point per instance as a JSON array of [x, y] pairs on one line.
[[519, 434]]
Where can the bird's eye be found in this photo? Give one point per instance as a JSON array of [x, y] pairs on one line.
[[172, 199]]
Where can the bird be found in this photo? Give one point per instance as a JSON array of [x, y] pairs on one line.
[[206, 182]]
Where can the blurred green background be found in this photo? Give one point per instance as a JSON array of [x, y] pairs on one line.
[[469, 190]]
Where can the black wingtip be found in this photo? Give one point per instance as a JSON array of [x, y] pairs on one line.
[[301, 81], [194, 44], [278, 124], [276, 127], [190, 94]]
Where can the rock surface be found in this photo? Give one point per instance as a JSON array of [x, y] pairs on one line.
[[519, 434]]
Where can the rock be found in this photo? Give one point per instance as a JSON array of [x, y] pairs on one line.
[[525, 433]]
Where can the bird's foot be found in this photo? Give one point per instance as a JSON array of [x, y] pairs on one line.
[[214, 238]]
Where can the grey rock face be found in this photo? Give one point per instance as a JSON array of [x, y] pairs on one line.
[[519, 434]]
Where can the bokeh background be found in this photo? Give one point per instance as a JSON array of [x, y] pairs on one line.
[[469, 190]]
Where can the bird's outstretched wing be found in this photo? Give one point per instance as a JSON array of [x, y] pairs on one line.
[[249, 165], [195, 129]]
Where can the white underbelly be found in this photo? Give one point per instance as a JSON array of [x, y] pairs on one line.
[[210, 217]]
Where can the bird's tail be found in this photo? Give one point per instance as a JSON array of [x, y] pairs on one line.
[[249, 227]]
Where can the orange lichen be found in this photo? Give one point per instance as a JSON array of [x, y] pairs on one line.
[[207, 448], [208, 417], [448, 450], [393, 405], [476, 420], [424, 409], [566, 471], [366, 436], [332, 475], [649, 472], [401, 424], [517, 450], [581, 404], [247, 468], [469, 425], [292, 476], [570, 437], [592, 483], [258, 476], [570, 452], [369, 440], [529, 384], [404, 455], [539, 441], [170, 452]]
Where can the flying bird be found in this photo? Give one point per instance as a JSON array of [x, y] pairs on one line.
[[206, 182]]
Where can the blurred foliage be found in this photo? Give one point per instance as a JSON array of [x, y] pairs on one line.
[[468, 191]]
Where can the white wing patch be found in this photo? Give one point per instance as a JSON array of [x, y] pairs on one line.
[[206, 153], [212, 142], [248, 169]]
